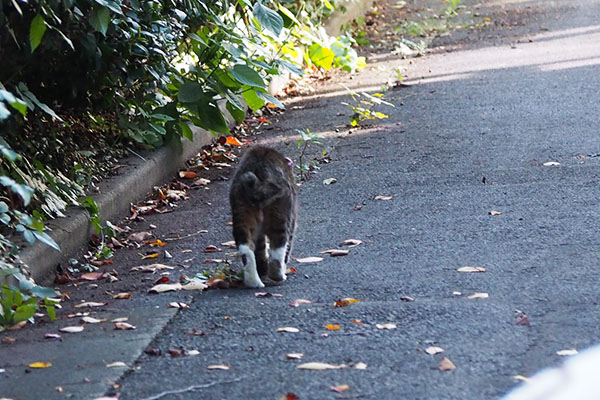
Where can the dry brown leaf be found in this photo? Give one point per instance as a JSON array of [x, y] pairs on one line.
[[351, 242], [332, 327], [381, 197], [150, 256], [471, 269], [386, 326], [195, 284], [446, 365], [201, 182], [40, 364], [166, 287], [140, 237], [340, 388], [72, 329], [188, 174], [335, 252], [478, 295], [294, 356], [494, 212], [297, 302], [219, 366], [152, 268], [123, 326], [433, 350], [17, 326], [89, 304], [345, 302], [179, 305], [309, 259], [289, 396], [122, 296], [522, 320], [320, 366], [92, 276], [92, 320], [230, 244], [407, 298], [8, 340], [120, 319], [288, 329]]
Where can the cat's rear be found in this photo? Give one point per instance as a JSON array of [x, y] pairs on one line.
[[264, 203]]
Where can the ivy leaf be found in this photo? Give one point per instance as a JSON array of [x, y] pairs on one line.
[[267, 18], [47, 240], [100, 19], [24, 191], [24, 312], [43, 292], [247, 76], [190, 92], [36, 31]]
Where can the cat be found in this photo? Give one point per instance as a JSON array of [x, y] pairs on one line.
[[264, 206]]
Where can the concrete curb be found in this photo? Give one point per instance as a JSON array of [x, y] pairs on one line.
[[132, 183]]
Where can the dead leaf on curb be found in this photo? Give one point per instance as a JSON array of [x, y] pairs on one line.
[[152, 268], [381, 197], [166, 287], [40, 364], [195, 284], [72, 329], [478, 295], [92, 320], [446, 365], [230, 244], [122, 296], [340, 388], [93, 276], [386, 326], [123, 326], [433, 350], [201, 182], [8, 340], [294, 356], [288, 329], [335, 252], [345, 302], [140, 237], [219, 367], [306, 260], [471, 269], [320, 366], [89, 304], [188, 174]]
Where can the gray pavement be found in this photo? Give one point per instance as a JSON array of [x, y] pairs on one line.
[[471, 133]]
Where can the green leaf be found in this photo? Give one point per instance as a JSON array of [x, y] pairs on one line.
[[190, 92], [267, 18], [212, 118], [43, 292], [247, 76], [24, 312], [4, 113], [46, 239], [24, 191], [236, 113], [100, 19], [8, 271], [321, 56], [51, 311], [36, 31], [270, 99], [252, 99], [186, 131]]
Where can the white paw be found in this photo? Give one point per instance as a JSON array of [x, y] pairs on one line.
[[253, 281]]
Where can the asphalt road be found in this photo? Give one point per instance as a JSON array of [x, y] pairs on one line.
[[473, 131]]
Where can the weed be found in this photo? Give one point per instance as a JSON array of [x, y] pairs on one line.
[[307, 138]]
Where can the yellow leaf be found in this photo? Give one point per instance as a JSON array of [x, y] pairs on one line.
[[345, 302], [151, 255], [332, 327], [232, 140], [40, 364]]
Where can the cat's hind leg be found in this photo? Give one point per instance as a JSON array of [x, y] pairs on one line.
[[251, 278], [260, 252], [243, 229], [277, 264]]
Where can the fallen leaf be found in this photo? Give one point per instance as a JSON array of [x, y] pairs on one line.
[[176, 352], [446, 365], [92, 276], [214, 260], [288, 329], [551, 164], [478, 295], [345, 302], [188, 174], [116, 364], [79, 314], [230, 244], [176, 304], [162, 279], [122, 296], [219, 366], [351, 242], [294, 356], [267, 294], [166, 287], [92, 320], [360, 365], [356, 321], [493, 212], [201, 182], [386, 326], [329, 181], [456, 293], [335, 252], [150, 255], [358, 207], [309, 259], [290, 270], [332, 327], [120, 319], [123, 326], [340, 388], [320, 366], [289, 396], [152, 268], [17, 326], [8, 340], [381, 197], [52, 336], [40, 364], [568, 352], [297, 302], [433, 350], [194, 284], [140, 237], [72, 329], [212, 248], [233, 141], [471, 269], [406, 298], [522, 320], [193, 352]]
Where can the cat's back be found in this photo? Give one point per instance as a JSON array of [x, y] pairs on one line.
[[263, 160]]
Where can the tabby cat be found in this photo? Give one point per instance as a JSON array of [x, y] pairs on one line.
[[264, 206]]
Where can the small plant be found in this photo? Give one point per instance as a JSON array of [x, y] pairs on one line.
[[362, 107], [307, 138], [453, 7]]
